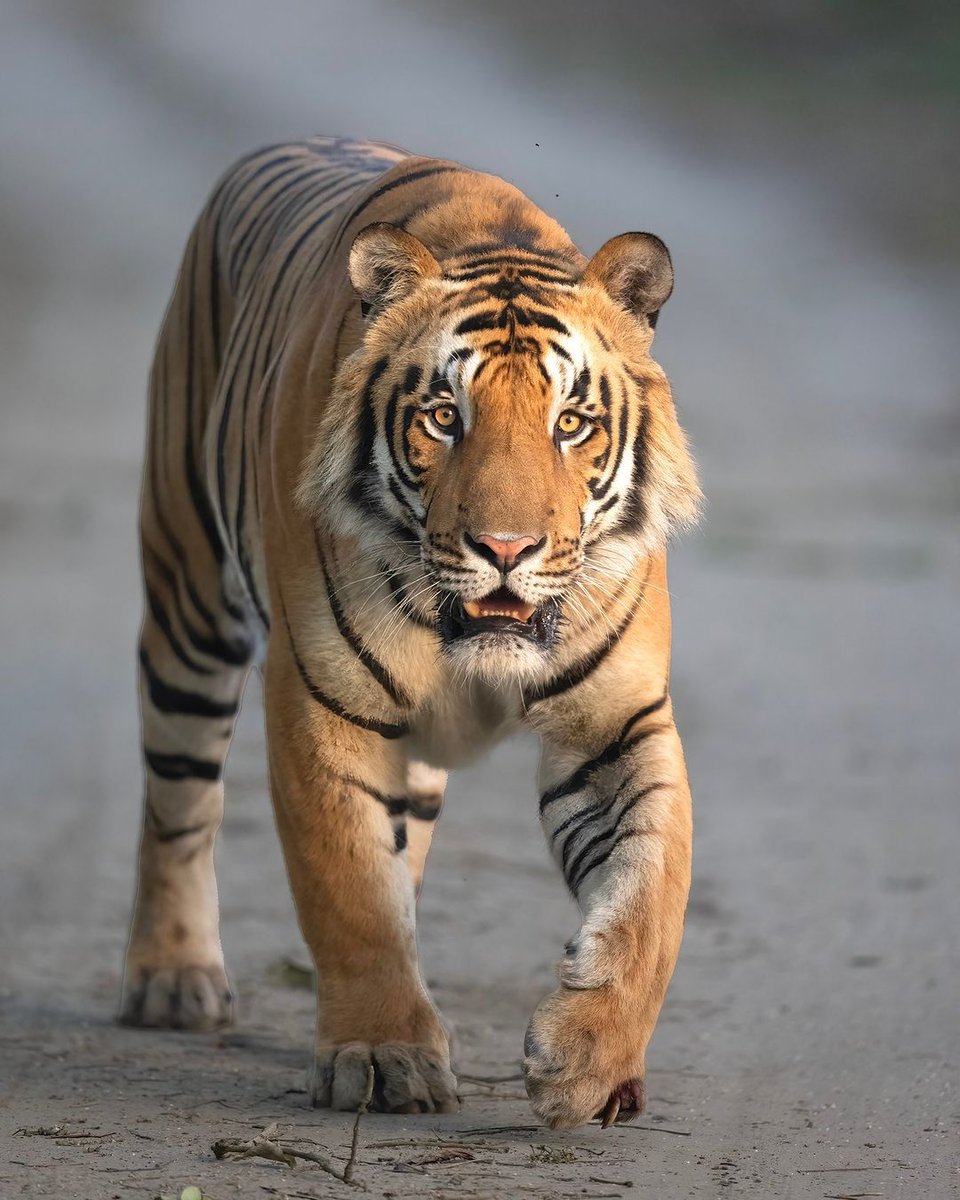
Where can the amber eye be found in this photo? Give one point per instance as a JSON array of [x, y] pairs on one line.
[[445, 417], [569, 423]]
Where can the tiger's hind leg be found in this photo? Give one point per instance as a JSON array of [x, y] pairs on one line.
[[195, 653], [191, 681], [425, 787]]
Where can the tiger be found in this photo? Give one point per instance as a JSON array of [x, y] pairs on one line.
[[409, 455]]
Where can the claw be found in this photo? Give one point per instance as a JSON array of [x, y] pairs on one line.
[[627, 1100], [611, 1112]]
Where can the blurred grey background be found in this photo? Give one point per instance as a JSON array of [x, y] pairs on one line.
[[800, 159]]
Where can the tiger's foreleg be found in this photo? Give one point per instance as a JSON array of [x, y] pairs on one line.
[[339, 795], [619, 827]]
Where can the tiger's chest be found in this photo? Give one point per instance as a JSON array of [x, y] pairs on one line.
[[463, 722]]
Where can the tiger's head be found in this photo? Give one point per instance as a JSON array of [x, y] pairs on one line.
[[503, 433]]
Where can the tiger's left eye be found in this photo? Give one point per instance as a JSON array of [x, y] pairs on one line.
[[445, 417], [569, 423]]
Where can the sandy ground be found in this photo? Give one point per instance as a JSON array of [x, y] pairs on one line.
[[809, 1044]]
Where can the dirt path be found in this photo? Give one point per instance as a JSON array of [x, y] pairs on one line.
[[809, 1043]]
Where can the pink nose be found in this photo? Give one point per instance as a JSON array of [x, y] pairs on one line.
[[504, 551]]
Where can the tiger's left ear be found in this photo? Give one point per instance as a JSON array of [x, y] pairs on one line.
[[387, 263], [635, 269]]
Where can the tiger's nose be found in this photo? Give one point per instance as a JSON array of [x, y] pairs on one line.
[[504, 550]]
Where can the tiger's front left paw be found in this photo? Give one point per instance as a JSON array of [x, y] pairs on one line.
[[406, 1079], [582, 1060]]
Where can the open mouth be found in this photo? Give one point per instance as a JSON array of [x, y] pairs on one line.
[[499, 612]]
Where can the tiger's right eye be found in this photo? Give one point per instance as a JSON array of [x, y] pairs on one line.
[[569, 423]]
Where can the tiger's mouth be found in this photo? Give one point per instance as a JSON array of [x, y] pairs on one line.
[[499, 612]]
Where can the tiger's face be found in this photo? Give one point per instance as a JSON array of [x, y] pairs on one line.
[[512, 436]]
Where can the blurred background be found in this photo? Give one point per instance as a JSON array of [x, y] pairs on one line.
[[800, 159]]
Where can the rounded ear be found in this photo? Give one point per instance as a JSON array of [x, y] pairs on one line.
[[387, 263], [635, 269]]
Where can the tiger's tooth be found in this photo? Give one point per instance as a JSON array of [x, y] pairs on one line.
[[476, 609]]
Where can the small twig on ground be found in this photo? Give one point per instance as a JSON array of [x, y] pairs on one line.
[[849, 1195], [285, 1195], [392, 1143], [54, 1131], [261, 1146], [612, 1182], [501, 1129], [652, 1128], [446, 1154], [364, 1105], [490, 1080], [266, 1145], [830, 1170]]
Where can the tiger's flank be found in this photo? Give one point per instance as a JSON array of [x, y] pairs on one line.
[[409, 454]]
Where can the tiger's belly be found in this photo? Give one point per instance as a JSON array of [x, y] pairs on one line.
[[464, 722]]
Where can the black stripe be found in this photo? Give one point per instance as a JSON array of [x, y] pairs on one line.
[[173, 835], [384, 728], [215, 293], [544, 320], [235, 652], [363, 454], [411, 380], [413, 469], [415, 519], [243, 557], [162, 621], [581, 818], [398, 591], [607, 505], [480, 320], [399, 836], [496, 254], [581, 385], [570, 869], [338, 186], [395, 805], [579, 671], [635, 511], [524, 271], [181, 766], [260, 218], [390, 422], [601, 858], [425, 173], [609, 754], [169, 699], [425, 808], [379, 672], [198, 492], [599, 488], [254, 319]]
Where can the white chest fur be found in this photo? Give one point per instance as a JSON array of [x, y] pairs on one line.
[[463, 721]]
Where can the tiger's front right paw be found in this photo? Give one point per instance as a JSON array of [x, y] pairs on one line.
[[406, 1079], [197, 998]]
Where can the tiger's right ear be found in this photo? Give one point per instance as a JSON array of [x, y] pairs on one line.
[[387, 263]]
